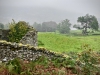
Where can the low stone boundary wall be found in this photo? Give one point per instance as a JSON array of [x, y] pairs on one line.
[[9, 51]]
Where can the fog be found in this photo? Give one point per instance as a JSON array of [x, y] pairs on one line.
[[47, 10]]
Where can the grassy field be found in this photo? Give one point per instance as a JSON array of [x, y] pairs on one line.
[[63, 43]]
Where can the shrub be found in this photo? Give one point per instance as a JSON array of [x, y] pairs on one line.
[[17, 31]]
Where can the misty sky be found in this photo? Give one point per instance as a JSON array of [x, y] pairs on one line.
[[47, 10]]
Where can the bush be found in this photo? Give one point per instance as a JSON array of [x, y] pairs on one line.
[[17, 31]]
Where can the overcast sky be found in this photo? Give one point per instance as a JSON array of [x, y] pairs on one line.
[[47, 10]]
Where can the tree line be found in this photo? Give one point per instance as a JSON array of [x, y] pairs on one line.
[[51, 26], [84, 22]]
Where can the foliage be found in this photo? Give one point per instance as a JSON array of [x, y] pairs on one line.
[[49, 26], [41, 66], [88, 21], [17, 31], [77, 26], [94, 24], [83, 63], [46, 26], [14, 66], [64, 26], [88, 61], [37, 26], [1, 26]]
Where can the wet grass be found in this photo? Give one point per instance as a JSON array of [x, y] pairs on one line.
[[65, 43]]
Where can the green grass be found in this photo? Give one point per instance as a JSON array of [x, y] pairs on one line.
[[62, 43]]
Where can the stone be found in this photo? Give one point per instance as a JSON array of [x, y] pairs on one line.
[[4, 33], [24, 52], [30, 38], [5, 59]]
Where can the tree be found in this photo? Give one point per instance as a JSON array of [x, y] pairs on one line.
[[94, 24], [64, 26], [76, 26], [17, 31], [6, 26], [1, 26], [44, 27], [49, 26], [88, 21], [37, 26]]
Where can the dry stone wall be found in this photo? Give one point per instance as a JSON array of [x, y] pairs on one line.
[[30, 38], [4, 33], [9, 51]]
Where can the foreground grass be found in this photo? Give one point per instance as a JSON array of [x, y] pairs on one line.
[[62, 43]]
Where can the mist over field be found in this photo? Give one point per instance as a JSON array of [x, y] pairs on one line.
[[47, 10]]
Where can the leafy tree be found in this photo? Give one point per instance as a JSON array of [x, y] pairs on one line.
[[17, 31], [1, 26], [49, 26], [58, 27], [64, 26], [94, 24], [37, 26], [88, 21], [45, 26]]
